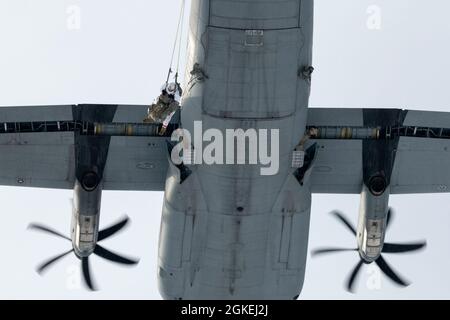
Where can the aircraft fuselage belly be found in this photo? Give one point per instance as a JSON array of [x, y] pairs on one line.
[[229, 231]]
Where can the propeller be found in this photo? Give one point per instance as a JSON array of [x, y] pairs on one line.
[[99, 250], [388, 248]]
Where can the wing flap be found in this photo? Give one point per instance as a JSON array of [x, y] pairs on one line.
[[47, 159], [338, 167], [422, 164], [43, 160], [136, 163]]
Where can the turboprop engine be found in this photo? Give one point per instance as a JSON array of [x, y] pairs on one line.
[[375, 217]]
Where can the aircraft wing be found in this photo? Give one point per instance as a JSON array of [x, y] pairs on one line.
[[422, 154], [47, 159]]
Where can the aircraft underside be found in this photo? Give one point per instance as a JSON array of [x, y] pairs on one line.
[[236, 227]]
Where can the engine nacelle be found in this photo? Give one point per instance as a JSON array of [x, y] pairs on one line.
[[373, 216], [86, 214]]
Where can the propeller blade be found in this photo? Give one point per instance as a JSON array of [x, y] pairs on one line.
[[114, 257], [330, 250], [51, 261], [108, 232], [390, 217], [387, 270], [87, 273], [354, 275], [39, 227], [345, 221], [403, 247]]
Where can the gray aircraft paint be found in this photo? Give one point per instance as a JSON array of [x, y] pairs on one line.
[[227, 232], [324, 279]]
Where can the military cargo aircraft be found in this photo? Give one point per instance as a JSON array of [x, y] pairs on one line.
[[228, 231]]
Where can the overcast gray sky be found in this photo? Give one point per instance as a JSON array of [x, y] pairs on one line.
[[366, 54]]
